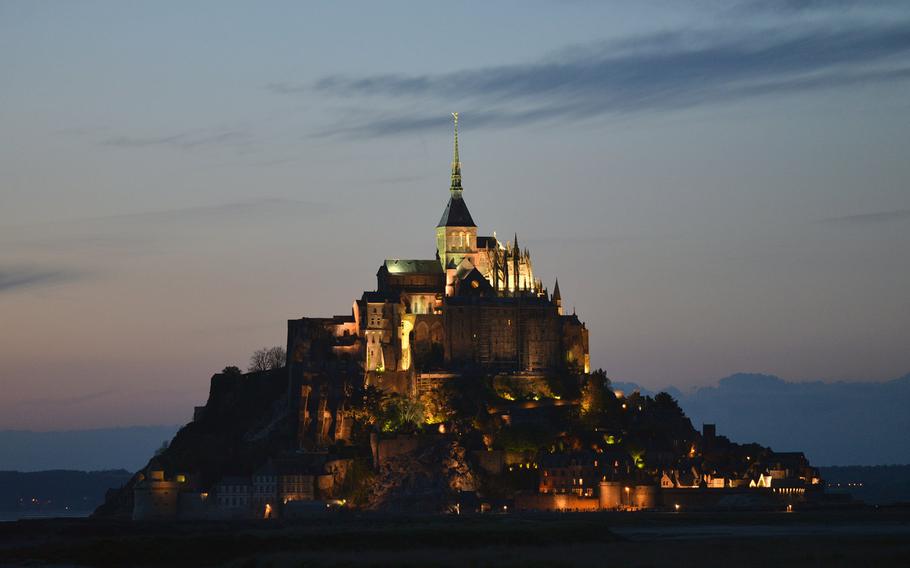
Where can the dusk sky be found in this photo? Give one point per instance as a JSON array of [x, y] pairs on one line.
[[719, 186]]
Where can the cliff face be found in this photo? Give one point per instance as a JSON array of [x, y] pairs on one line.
[[425, 480], [244, 421]]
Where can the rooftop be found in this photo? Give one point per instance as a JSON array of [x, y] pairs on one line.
[[412, 266], [456, 214]]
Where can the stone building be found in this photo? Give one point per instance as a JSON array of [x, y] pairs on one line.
[[575, 472], [154, 496], [476, 305], [234, 494], [158, 497], [281, 481]]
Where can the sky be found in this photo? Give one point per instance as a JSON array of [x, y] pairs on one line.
[[720, 187]]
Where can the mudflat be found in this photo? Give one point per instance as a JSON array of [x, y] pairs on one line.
[[872, 537]]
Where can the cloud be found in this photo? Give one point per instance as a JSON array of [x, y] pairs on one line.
[[871, 218], [184, 140], [662, 71], [796, 6], [17, 278]]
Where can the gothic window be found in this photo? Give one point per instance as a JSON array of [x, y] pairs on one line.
[[436, 333]]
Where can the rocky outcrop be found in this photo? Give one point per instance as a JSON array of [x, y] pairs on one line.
[[428, 479], [244, 422]]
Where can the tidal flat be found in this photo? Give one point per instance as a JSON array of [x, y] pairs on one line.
[[873, 537]]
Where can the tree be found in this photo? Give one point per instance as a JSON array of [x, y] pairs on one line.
[[400, 413], [231, 370], [437, 405], [366, 405], [594, 395], [267, 359]]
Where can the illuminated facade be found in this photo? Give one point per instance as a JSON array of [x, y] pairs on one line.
[[476, 305]]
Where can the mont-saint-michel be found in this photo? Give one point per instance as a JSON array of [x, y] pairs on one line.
[[460, 385], [265, 301]]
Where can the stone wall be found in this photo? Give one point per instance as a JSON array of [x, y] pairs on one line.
[[491, 461], [693, 499], [505, 333], [385, 449], [428, 382], [565, 502], [522, 386], [644, 496], [610, 495], [155, 500], [575, 344], [392, 381]]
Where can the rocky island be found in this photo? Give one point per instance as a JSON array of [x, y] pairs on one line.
[[459, 385]]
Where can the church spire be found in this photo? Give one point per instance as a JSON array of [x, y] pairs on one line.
[[516, 261], [456, 213], [456, 163], [557, 298]]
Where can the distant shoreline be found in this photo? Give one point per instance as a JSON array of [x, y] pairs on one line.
[[13, 516]]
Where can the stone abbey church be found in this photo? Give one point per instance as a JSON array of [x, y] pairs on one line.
[[476, 308]]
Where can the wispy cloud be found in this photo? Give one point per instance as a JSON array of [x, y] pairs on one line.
[[183, 140], [795, 6], [871, 218], [663, 71], [22, 277]]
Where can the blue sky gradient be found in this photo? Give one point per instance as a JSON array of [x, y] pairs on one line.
[[719, 186]]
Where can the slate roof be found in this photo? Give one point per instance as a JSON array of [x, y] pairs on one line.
[[456, 214], [399, 266], [374, 297]]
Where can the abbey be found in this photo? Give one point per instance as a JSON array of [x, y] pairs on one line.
[[458, 382], [476, 307]]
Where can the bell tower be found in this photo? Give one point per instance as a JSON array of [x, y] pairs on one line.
[[456, 233]]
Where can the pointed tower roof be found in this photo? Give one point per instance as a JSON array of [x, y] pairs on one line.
[[456, 162], [456, 213], [557, 297]]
